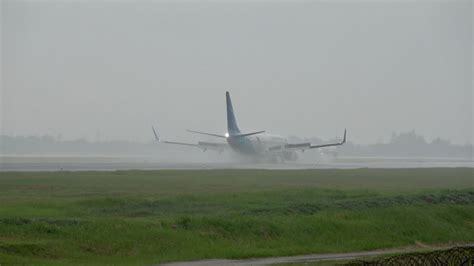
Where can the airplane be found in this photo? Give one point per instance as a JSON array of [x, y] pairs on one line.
[[258, 145]]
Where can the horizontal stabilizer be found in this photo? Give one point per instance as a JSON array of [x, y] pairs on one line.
[[238, 135], [247, 134]]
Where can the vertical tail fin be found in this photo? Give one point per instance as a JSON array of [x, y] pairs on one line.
[[232, 127]]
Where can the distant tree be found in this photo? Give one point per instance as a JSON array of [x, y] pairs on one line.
[[407, 138], [440, 142]]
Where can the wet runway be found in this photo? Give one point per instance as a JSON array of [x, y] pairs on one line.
[[107, 163]]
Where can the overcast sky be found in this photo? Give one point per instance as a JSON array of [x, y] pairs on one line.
[[307, 68]]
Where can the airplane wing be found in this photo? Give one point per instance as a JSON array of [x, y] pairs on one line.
[[306, 145], [220, 147]]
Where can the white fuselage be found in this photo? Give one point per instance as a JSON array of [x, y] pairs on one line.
[[259, 145]]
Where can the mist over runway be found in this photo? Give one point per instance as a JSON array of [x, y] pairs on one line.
[[109, 163]]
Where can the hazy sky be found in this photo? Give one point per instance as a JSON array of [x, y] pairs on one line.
[[307, 68]]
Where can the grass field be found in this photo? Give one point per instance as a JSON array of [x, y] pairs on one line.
[[146, 217]]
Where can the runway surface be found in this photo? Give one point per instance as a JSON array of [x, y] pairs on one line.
[[108, 163]]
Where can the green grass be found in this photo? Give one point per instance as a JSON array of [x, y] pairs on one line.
[[146, 217]]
